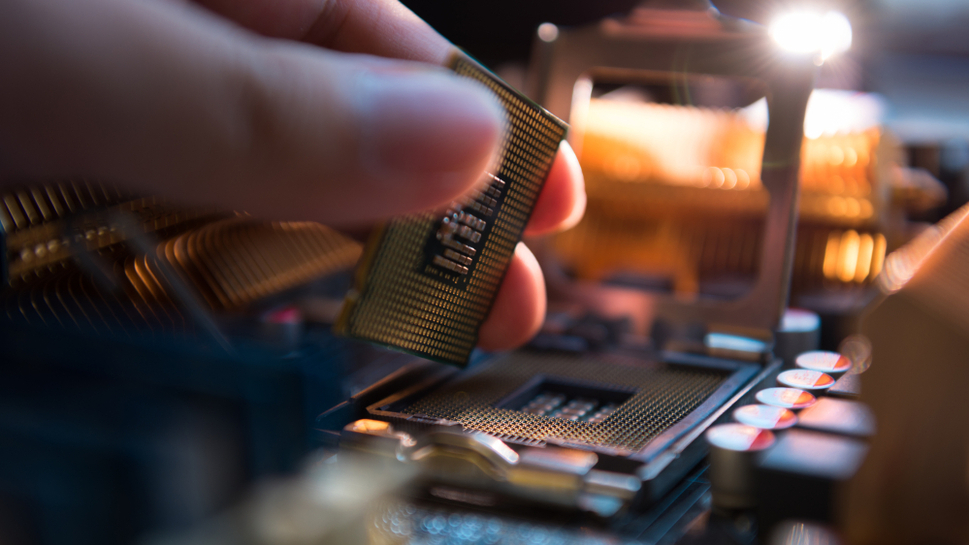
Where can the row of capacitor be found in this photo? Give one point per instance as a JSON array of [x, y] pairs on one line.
[[784, 457]]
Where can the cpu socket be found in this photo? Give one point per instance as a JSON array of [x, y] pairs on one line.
[[644, 408]]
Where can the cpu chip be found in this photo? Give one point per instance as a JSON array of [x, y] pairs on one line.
[[427, 281]]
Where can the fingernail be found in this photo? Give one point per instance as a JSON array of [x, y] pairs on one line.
[[426, 123]]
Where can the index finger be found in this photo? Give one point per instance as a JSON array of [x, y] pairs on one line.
[[384, 28]]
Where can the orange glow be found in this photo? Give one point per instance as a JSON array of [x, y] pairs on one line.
[[717, 177], [848, 255], [836, 207], [743, 179], [715, 149], [649, 166], [627, 168], [866, 246], [878, 255], [851, 257], [369, 426], [851, 157], [837, 184], [852, 208], [830, 264], [684, 145], [836, 156]]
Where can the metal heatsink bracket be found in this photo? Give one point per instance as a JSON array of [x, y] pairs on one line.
[[681, 43]]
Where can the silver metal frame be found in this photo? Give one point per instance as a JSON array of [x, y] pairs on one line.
[[688, 43]]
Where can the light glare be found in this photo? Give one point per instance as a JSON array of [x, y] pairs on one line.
[[806, 32], [548, 32]]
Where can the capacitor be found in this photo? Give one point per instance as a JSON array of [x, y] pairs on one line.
[[789, 398], [766, 417], [805, 379], [800, 331], [733, 448], [824, 361]]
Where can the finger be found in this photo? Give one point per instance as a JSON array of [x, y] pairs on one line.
[[377, 27], [386, 28], [519, 307], [563, 198], [174, 102]]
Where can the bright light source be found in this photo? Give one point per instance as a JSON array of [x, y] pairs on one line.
[[805, 32], [831, 111], [836, 34]]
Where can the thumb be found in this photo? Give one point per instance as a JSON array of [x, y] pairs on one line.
[[171, 100]]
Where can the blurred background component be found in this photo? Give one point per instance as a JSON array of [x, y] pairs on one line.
[[676, 200]]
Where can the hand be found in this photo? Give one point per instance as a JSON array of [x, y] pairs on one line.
[[246, 109]]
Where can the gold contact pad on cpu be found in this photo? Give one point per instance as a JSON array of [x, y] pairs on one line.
[[427, 281]]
